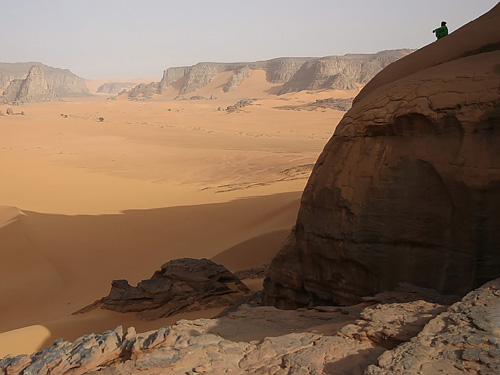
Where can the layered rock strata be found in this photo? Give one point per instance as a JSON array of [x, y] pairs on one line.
[[338, 72], [408, 188], [374, 340], [180, 285], [335, 72]]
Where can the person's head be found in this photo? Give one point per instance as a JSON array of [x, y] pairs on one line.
[[443, 23]]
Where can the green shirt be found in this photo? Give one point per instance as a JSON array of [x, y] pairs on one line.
[[441, 31]]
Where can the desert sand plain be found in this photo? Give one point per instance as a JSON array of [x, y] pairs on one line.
[[84, 201]]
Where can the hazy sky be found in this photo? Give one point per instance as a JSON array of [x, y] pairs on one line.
[[141, 38]]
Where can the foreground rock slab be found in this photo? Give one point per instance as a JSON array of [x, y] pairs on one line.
[[373, 340], [257, 340], [465, 339]]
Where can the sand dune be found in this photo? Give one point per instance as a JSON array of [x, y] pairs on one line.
[[84, 201]]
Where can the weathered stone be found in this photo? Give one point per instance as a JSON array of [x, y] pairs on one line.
[[180, 285], [144, 91], [62, 81], [408, 188], [238, 76], [340, 72], [115, 87], [329, 103], [238, 105], [32, 89], [264, 340], [448, 347]]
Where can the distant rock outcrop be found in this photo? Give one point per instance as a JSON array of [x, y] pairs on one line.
[[329, 103], [408, 188], [144, 91], [296, 73], [115, 87], [239, 76], [63, 82], [240, 104], [34, 88], [340, 72], [180, 285]]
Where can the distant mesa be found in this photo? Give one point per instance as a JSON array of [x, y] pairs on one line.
[[115, 87], [63, 82], [294, 73]]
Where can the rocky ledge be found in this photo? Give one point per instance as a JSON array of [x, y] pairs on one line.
[[180, 285], [401, 332]]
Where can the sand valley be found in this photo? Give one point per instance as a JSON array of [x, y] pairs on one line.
[[86, 200]]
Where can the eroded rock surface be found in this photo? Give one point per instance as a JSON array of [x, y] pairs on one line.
[[250, 340], [34, 88], [321, 104], [337, 72], [115, 87], [408, 188], [463, 340], [62, 81], [180, 285], [239, 75]]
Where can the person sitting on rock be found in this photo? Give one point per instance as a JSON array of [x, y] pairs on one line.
[[441, 31]]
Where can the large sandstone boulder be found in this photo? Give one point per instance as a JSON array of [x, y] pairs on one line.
[[180, 285], [408, 188]]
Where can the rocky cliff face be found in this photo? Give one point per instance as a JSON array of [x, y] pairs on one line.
[[34, 88], [63, 82], [296, 73], [408, 188], [115, 87], [340, 72], [239, 76]]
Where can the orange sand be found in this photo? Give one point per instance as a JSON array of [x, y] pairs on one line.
[[83, 202]]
